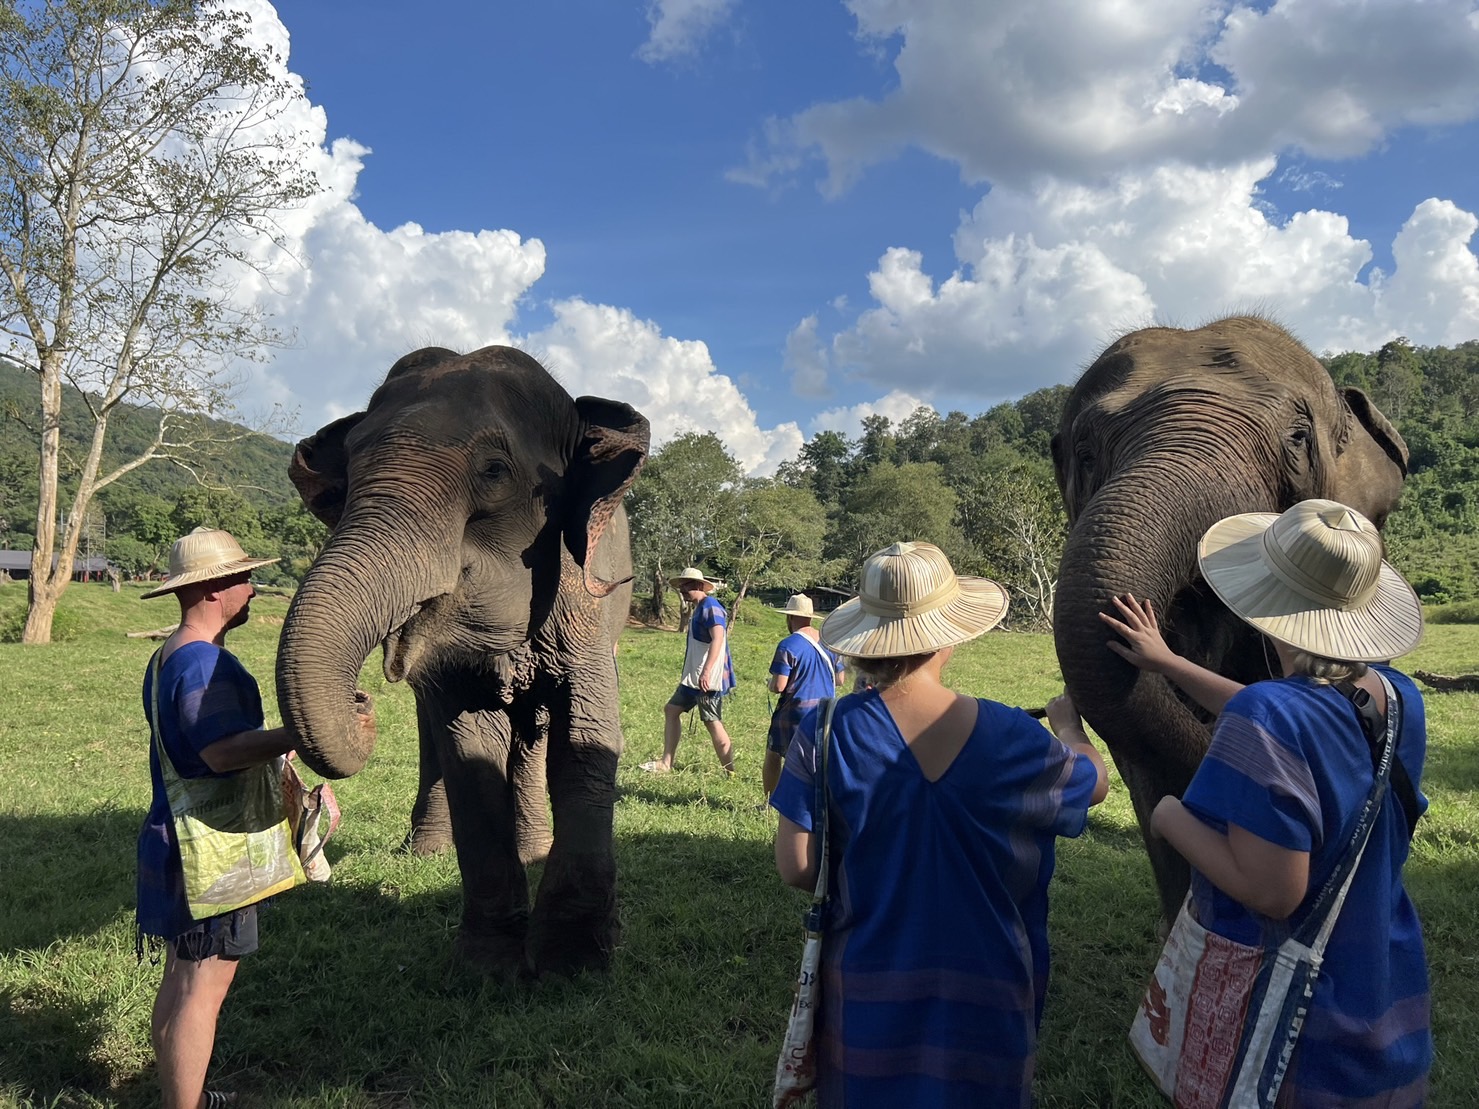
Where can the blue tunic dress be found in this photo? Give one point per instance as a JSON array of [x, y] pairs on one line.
[[935, 961], [1289, 763]]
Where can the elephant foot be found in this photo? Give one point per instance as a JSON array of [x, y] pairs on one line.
[[501, 957], [424, 843], [569, 945]]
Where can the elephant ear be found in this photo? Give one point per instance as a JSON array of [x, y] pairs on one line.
[[320, 469], [1370, 459], [1376, 425], [613, 446]]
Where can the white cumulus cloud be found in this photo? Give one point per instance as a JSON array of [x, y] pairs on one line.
[[679, 27], [1014, 89]]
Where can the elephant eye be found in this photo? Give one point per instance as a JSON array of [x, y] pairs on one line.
[[496, 470]]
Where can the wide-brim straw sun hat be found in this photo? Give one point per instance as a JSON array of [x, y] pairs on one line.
[[910, 602], [798, 604], [1313, 577], [205, 555], [693, 573]]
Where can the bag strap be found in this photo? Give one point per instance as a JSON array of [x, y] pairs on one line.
[[824, 741], [822, 651], [1327, 906], [156, 732], [1402, 786]]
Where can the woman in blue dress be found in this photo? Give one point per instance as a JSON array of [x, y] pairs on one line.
[[943, 811], [1289, 767]]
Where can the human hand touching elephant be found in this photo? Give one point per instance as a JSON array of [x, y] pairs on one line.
[[1143, 645]]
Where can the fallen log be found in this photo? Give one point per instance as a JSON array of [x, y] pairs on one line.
[[157, 633], [1443, 683]]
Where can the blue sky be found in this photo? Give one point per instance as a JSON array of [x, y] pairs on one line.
[[766, 218]]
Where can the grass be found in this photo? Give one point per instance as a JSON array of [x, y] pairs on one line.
[[354, 1000]]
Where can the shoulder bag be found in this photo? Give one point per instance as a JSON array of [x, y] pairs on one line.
[[1219, 1020], [236, 846], [796, 1069]]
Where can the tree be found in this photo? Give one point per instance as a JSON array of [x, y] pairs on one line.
[[1021, 536], [681, 509], [1398, 377], [145, 167], [777, 538], [890, 504]]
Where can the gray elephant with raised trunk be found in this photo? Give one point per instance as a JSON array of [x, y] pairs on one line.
[[477, 535], [1166, 433]]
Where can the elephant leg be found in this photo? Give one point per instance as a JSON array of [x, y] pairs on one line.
[[526, 768], [1147, 784], [575, 926], [431, 822], [495, 891]]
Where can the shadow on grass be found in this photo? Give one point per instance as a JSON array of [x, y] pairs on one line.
[[684, 798], [65, 875]]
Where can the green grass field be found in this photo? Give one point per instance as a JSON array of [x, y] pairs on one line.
[[354, 999]]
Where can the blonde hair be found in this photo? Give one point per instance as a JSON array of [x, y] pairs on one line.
[[1325, 671], [881, 673]]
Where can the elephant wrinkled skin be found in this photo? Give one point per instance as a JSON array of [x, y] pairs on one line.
[[1166, 433], [477, 535]]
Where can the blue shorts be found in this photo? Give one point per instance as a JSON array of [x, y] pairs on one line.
[[230, 935], [710, 705]]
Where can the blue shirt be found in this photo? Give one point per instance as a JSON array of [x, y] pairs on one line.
[[1290, 763], [811, 673], [708, 615], [205, 695], [935, 956]]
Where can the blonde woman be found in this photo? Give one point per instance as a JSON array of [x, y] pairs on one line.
[[1290, 766], [943, 811]]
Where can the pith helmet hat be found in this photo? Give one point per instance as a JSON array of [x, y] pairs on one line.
[[1313, 577], [798, 604], [205, 555], [910, 602], [693, 573]]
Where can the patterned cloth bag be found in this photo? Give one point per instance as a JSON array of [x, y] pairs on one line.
[[1219, 1020], [796, 1069], [306, 810], [236, 846]]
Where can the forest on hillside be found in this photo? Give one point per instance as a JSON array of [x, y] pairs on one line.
[[981, 486]]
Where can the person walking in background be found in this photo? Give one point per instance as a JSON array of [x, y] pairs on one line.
[[1270, 809], [708, 674], [943, 811], [802, 673], [205, 714]]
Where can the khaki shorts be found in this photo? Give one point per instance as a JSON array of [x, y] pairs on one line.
[[710, 705]]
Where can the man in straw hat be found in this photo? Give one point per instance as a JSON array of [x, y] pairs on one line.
[[942, 812], [1273, 803], [708, 674], [802, 673], [209, 724]]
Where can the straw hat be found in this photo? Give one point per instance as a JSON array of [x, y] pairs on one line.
[[1313, 577], [205, 555], [911, 603], [693, 573], [798, 604]]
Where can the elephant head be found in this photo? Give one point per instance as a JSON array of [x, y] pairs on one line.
[[450, 499], [1167, 432]]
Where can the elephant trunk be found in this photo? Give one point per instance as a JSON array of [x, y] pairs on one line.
[[368, 581], [1127, 541]]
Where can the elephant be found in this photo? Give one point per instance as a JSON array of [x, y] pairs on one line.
[[477, 534], [1166, 432]]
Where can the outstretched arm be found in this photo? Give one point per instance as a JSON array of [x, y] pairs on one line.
[[1145, 648], [1265, 877]]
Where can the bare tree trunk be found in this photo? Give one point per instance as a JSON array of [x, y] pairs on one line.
[[739, 599]]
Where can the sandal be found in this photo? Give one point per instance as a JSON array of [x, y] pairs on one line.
[[219, 1099], [654, 766]]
